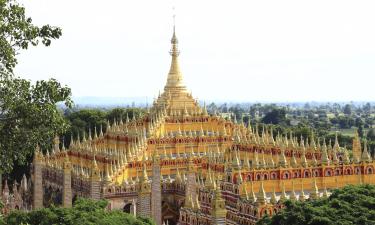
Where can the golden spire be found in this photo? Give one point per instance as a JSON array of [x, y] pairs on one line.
[[144, 177], [218, 205], [282, 160], [325, 160], [293, 193], [197, 204], [365, 157], [293, 161], [273, 197], [95, 175], [283, 194], [314, 194], [346, 156], [302, 195], [174, 80], [244, 192], [261, 198], [255, 162], [189, 202], [356, 148], [303, 156]]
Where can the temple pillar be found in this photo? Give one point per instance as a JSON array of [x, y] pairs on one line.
[[144, 195], [156, 191], [190, 190], [37, 180], [133, 208], [67, 183]]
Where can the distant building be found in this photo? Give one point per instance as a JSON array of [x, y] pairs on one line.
[[180, 165]]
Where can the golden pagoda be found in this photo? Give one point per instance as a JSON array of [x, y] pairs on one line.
[[179, 164]]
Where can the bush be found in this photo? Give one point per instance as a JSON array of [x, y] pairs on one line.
[[349, 205], [84, 212]]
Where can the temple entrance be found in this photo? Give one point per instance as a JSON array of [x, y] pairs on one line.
[[127, 208], [169, 213], [52, 196], [170, 222]]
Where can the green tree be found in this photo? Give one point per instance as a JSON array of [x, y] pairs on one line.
[[82, 120], [29, 116], [1, 216], [122, 113], [367, 107], [361, 131], [348, 109], [17, 32], [84, 212], [348, 205], [276, 116], [28, 112], [371, 134]]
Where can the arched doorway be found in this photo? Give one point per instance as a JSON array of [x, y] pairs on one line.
[[127, 208]]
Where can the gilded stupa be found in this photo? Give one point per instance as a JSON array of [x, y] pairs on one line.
[[180, 165]]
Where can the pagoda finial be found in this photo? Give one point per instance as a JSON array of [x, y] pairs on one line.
[[174, 81]]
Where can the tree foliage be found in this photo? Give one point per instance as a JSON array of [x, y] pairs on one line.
[[349, 205], [28, 113], [84, 212], [17, 32], [82, 120], [28, 116], [276, 116], [122, 113], [1, 216]]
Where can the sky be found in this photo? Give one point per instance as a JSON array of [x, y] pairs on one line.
[[263, 51]]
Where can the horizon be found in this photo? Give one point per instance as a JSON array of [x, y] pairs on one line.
[[289, 51], [143, 101]]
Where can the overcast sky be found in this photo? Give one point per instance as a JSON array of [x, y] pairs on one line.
[[321, 50]]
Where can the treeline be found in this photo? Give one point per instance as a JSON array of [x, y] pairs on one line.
[[348, 205], [308, 121], [79, 122], [82, 121]]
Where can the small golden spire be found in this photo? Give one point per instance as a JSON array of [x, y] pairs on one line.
[[144, 173], [261, 198], [302, 195], [325, 160], [293, 161], [283, 194], [293, 193], [365, 157], [244, 192], [252, 194], [325, 192], [282, 160], [273, 197], [314, 194]]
